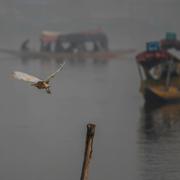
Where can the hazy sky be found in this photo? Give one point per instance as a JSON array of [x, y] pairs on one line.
[[124, 16], [157, 9]]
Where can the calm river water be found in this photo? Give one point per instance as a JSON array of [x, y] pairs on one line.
[[42, 136]]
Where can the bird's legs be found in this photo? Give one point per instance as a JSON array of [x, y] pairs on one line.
[[48, 90]]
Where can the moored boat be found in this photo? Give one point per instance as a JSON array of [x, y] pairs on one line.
[[159, 71]]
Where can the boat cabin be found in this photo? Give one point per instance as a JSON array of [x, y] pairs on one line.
[[156, 63], [74, 42]]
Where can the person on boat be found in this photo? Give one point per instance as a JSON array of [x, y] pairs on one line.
[[24, 46]]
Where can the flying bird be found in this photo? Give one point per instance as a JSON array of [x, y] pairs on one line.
[[36, 82]]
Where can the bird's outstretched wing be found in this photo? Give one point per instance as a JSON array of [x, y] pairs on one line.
[[53, 74], [25, 77]]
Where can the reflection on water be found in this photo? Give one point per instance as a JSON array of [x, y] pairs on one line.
[[95, 62], [156, 122], [159, 142]]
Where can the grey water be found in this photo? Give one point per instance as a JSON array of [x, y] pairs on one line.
[[42, 136]]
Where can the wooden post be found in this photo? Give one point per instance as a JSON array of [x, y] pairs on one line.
[[88, 151]]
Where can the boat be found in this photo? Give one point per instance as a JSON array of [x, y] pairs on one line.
[[159, 72], [69, 46]]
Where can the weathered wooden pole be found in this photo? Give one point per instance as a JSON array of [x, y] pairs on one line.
[[88, 151]]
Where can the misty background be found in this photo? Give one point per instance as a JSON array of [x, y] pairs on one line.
[[42, 136]]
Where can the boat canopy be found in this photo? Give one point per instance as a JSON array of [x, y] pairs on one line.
[[151, 59], [155, 55]]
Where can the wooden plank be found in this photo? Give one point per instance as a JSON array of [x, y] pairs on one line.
[[61, 56]]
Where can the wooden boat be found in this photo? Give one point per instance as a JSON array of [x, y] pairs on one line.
[[105, 55], [161, 94], [159, 71], [60, 46]]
